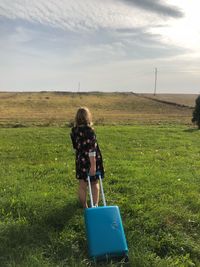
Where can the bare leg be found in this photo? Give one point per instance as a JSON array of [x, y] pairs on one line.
[[95, 192], [82, 193]]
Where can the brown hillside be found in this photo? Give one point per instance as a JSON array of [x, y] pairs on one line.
[[56, 108]]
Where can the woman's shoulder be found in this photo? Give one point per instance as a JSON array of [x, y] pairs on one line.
[[73, 129], [83, 130], [89, 129]]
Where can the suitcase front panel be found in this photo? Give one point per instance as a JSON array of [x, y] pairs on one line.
[[105, 231]]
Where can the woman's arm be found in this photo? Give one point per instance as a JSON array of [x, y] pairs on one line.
[[73, 139], [91, 141], [92, 156]]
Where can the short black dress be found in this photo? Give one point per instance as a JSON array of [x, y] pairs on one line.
[[84, 141]]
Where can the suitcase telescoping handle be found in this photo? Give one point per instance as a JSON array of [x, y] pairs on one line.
[[101, 187]]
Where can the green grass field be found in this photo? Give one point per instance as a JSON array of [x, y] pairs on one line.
[[152, 174]]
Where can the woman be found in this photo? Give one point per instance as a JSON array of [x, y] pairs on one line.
[[88, 155]]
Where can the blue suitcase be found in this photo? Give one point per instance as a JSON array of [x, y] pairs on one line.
[[104, 229]]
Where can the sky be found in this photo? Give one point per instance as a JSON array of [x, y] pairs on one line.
[[100, 45]]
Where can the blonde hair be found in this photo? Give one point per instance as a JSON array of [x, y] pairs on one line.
[[83, 117]]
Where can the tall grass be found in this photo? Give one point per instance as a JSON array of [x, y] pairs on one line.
[[58, 109]]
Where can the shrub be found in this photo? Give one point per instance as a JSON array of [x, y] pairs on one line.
[[196, 112]]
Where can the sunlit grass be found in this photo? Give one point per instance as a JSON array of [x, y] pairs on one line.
[[152, 173]]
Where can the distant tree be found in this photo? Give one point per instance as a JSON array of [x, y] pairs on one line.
[[196, 112]]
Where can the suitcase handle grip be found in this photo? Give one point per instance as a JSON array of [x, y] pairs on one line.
[[101, 187]]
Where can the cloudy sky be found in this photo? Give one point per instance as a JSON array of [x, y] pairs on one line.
[[100, 45]]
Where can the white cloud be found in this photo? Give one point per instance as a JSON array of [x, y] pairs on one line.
[[184, 32], [89, 17], [103, 43], [77, 15]]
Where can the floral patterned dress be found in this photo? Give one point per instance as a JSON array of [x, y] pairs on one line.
[[84, 141]]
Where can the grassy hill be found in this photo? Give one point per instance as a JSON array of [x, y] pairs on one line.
[[58, 108]]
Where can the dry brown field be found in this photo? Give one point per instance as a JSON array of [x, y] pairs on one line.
[[58, 108], [182, 99]]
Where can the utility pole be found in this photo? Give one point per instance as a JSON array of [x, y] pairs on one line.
[[79, 86], [155, 87]]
